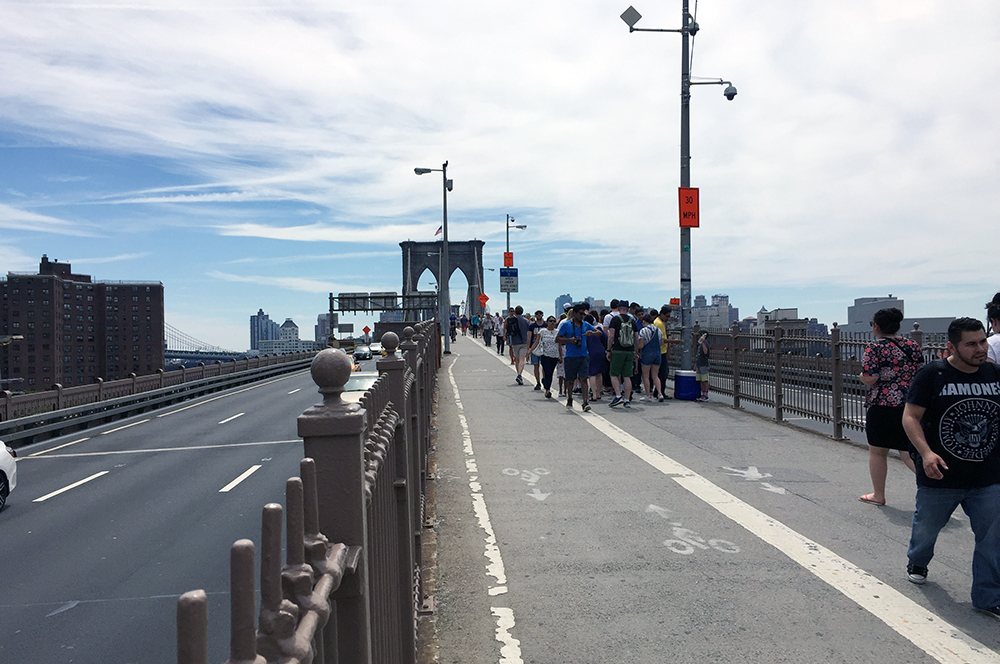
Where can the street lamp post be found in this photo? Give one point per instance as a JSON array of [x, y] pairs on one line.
[[689, 29], [509, 226], [444, 302]]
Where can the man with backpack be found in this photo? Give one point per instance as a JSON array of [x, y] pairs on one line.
[[622, 332], [952, 418]]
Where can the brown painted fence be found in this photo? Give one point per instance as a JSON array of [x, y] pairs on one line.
[[351, 586], [816, 377]]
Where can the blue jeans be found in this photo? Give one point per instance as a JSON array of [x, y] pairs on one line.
[[982, 505]]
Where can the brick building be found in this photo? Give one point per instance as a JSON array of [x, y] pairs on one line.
[[77, 330]]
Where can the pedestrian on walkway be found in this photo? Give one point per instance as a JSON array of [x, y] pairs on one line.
[[475, 326], [499, 328], [702, 365], [662, 318], [576, 359], [649, 359], [465, 325], [596, 346], [538, 323], [952, 417], [549, 352], [993, 316], [487, 326], [517, 328], [887, 368], [622, 332], [509, 325]]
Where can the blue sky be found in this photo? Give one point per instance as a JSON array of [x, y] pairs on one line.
[[261, 155]]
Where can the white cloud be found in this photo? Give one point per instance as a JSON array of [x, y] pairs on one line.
[[22, 220]]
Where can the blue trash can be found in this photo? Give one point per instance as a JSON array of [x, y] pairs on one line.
[[685, 386]]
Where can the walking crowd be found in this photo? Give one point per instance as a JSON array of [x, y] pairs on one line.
[[943, 416], [619, 351]]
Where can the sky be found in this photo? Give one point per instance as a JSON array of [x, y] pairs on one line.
[[260, 155]]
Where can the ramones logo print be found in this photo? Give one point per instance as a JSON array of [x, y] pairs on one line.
[[969, 429]]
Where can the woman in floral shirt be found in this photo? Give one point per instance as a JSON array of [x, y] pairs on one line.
[[887, 368]]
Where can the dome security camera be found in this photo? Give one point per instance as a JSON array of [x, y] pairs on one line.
[[730, 92]]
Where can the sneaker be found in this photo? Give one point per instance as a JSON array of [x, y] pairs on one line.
[[586, 407], [520, 381], [569, 401], [617, 401], [662, 398], [666, 396], [538, 386], [917, 574], [702, 398], [995, 611], [626, 404]]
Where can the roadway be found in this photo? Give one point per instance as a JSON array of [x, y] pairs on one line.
[[107, 527], [678, 532]]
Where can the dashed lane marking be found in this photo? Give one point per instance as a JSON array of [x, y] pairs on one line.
[[247, 473], [71, 486]]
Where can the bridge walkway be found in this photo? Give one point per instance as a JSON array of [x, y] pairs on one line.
[[676, 531]]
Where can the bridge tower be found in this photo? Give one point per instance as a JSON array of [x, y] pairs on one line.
[[466, 256]]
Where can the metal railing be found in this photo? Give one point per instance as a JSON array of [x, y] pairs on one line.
[[351, 587], [26, 417], [815, 377]]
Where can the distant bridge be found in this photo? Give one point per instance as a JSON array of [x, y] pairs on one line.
[[182, 346]]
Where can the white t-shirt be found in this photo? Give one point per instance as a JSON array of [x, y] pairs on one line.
[[994, 351]]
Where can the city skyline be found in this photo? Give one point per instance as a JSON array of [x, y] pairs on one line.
[[261, 157]]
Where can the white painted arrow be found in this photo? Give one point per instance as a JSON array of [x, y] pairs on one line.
[[656, 509], [538, 495], [751, 474], [767, 486]]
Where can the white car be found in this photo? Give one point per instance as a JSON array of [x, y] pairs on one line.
[[8, 472]]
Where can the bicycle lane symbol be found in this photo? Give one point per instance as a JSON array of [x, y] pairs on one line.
[[531, 477], [686, 541]]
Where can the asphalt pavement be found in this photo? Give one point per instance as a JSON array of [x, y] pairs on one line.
[[676, 531], [108, 526]]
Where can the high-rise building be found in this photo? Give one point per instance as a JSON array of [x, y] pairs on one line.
[[325, 323], [719, 314], [560, 301], [77, 330], [262, 328]]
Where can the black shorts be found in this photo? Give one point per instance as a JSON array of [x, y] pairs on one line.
[[884, 426]]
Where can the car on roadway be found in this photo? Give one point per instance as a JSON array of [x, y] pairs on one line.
[[357, 385], [8, 472], [376, 347], [362, 353]]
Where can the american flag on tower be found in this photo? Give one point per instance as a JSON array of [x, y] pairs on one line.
[[438, 231]]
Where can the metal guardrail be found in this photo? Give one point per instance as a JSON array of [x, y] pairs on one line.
[[811, 376], [351, 587], [25, 418]]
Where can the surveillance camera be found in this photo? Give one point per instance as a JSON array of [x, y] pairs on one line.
[[730, 92], [450, 182]]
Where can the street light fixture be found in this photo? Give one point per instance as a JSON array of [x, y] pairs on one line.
[[444, 302], [688, 29], [520, 227]]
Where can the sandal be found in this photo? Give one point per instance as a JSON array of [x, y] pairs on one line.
[[869, 498]]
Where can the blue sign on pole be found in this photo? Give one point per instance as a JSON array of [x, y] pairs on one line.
[[508, 280]]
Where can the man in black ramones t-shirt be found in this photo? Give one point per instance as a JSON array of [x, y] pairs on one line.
[[952, 417]]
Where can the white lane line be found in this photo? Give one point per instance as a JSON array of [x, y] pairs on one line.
[[229, 487], [163, 449], [71, 486], [297, 389], [926, 630], [510, 648], [127, 426], [229, 394], [939, 639], [230, 419], [53, 449]]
